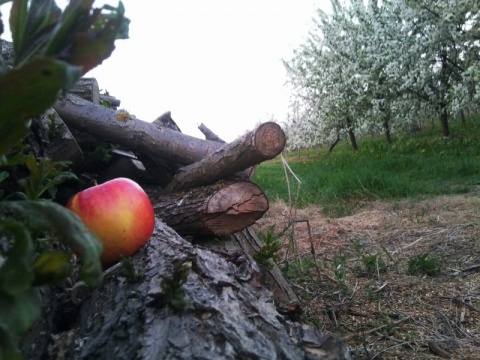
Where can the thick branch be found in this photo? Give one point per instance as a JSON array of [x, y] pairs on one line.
[[220, 209], [87, 88], [136, 135], [209, 134], [261, 144], [227, 313]]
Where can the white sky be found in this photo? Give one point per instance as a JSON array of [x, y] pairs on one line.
[[211, 61]]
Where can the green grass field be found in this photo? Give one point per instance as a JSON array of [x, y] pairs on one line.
[[415, 165]]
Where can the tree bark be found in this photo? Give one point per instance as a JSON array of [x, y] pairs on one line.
[[462, 117], [263, 143], [51, 138], [333, 144], [209, 134], [386, 129], [136, 135], [219, 209], [87, 89], [351, 134], [226, 314], [444, 122], [165, 120], [163, 150]]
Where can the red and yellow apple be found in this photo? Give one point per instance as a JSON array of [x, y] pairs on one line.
[[119, 213]]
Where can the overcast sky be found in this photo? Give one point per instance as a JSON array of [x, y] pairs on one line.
[[211, 61]]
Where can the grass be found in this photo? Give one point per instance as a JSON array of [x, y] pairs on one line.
[[385, 279], [415, 165]]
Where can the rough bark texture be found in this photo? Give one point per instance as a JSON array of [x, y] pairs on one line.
[[261, 144], [209, 134], [51, 138], [351, 134], [220, 209], [165, 120], [444, 122], [87, 89], [136, 135], [229, 316]]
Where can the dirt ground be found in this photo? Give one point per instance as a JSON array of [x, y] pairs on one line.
[[363, 276]]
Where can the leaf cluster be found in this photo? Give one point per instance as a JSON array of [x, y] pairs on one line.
[[52, 49], [173, 292], [269, 251], [424, 264]]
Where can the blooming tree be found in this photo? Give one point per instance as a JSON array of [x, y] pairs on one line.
[[383, 65]]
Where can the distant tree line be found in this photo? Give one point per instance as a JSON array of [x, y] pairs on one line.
[[381, 66]]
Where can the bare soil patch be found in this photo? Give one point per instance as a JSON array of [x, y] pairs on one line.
[[356, 282]]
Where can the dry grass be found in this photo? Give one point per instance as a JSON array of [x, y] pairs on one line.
[[361, 289]]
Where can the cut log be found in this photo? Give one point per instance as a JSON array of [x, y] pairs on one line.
[[51, 138], [209, 134], [133, 134], [226, 315], [87, 88], [220, 209], [263, 143], [163, 150], [166, 120]]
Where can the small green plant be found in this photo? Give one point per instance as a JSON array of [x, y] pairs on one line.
[[45, 175], [270, 248], [424, 264], [127, 270], [104, 153], [340, 268], [373, 263], [53, 126], [358, 246], [173, 291], [371, 294]]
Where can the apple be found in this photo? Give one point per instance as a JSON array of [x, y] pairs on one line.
[[119, 213]]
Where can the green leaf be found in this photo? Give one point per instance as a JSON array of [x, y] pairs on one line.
[[94, 39], [67, 227], [52, 268], [27, 92], [44, 176], [42, 16], [16, 274], [18, 312], [18, 25]]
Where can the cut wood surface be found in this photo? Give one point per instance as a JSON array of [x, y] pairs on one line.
[[219, 209], [87, 89], [261, 144]]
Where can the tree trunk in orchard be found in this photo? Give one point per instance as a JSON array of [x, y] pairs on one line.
[[333, 144], [214, 307], [263, 143], [462, 117], [444, 122], [386, 129], [351, 134], [220, 209]]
